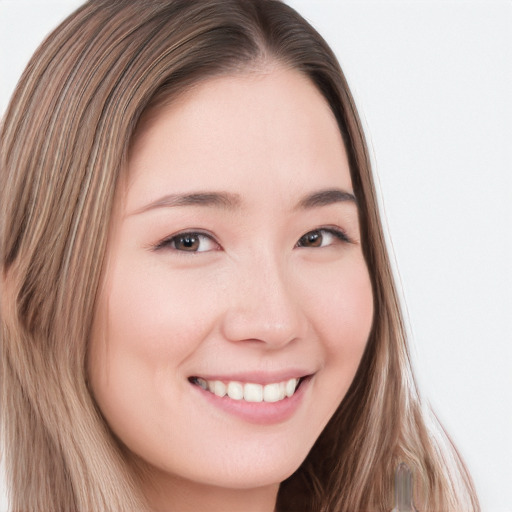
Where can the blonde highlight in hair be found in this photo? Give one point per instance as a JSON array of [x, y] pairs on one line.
[[64, 143]]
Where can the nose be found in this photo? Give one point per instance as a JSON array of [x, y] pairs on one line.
[[264, 305]]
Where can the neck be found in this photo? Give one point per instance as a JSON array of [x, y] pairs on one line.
[[187, 496]]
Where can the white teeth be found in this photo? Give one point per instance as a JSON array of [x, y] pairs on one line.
[[250, 392], [290, 387], [219, 388], [253, 393], [235, 390], [271, 393]]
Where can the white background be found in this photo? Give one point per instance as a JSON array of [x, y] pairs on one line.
[[432, 81]]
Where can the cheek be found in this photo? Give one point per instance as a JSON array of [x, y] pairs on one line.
[[146, 326], [342, 312], [341, 308], [155, 315]]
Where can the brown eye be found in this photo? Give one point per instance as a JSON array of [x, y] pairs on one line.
[[311, 239], [322, 238], [189, 242]]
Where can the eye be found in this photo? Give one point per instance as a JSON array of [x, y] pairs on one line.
[[189, 242], [322, 238]]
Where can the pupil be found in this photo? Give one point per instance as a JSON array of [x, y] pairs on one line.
[[189, 242], [313, 239]]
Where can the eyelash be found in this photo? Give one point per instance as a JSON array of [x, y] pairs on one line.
[[171, 241], [338, 233]]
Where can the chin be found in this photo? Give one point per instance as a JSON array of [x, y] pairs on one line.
[[249, 469]]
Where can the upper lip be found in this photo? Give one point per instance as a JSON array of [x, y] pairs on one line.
[[257, 377]]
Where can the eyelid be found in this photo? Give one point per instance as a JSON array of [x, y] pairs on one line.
[[337, 232], [167, 242]]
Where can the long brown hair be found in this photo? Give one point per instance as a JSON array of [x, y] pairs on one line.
[[64, 142]]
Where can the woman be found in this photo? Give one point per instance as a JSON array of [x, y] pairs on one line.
[[197, 306]]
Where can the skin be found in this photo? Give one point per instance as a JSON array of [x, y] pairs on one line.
[[253, 295]]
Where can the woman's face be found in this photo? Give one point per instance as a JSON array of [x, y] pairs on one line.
[[234, 264]]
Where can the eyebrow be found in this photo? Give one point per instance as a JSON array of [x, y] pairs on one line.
[[325, 198], [224, 200], [230, 201]]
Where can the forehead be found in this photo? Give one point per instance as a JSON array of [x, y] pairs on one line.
[[262, 130]]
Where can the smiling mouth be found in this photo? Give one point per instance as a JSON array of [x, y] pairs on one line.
[[248, 391]]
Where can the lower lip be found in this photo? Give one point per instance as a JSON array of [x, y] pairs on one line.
[[262, 413]]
